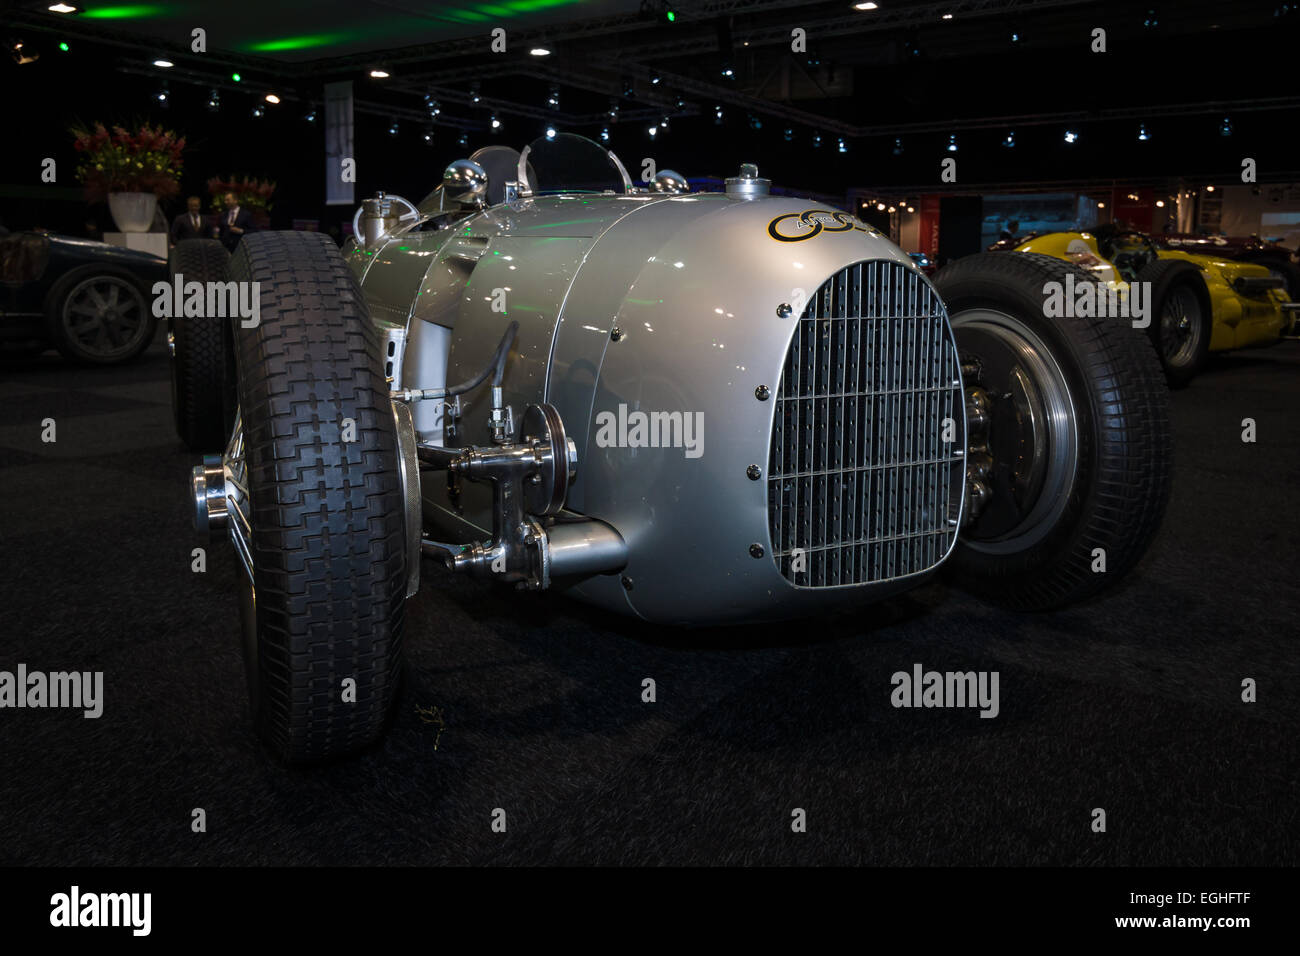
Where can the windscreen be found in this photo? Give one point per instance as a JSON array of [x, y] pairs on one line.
[[572, 163]]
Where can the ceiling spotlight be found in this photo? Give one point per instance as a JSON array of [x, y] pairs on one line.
[[1151, 20], [1143, 135], [550, 132], [162, 95], [272, 98], [654, 78], [1009, 141], [1101, 205], [717, 115], [474, 94], [898, 147], [496, 123], [432, 105], [1016, 38], [880, 206], [1209, 189], [1071, 136], [604, 134], [629, 90], [214, 101], [817, 140], [947, 16], [463, 140], [379, 74], [539, 51], [789, 134], [258, 111], [652, 130], [61, 8], [843, 146], [1225, 128], [1160, 204], [728, 72], [613, 110], [553, 100], [680, 102], [393, 128], [235, 77], [163, 64], [310, 115], [911, 209], [755, 122], [892, 209], [21, 55], [63, 47], [427, 137], [952, 143], [866, 6], [663, 123]]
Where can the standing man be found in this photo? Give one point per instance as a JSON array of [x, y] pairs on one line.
[[189, 224], [235, 221]]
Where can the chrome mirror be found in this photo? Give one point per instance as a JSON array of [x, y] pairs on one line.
[[465, 182]]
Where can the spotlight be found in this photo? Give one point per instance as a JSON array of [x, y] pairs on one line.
[[63, 48], [427, 137], [1225, 128], [463, 140], [663, 123], [717, 115], [474, 94], [1143, 135], [553, 100], [755, 122], [892, 209], [843, 146], [550, 132], [235, 77], [1160, 204], [258, 111], [654, 78], [880, 206], [947, 16], [21, 54], [379, 74], [272, 98], [1101, 205], [911, 209], [1071, 136], [604, 134], [163, 64], [866, 6], [629, 90], [613, 110], [1151, 20], [310, 115], [898, 147], [670, 15], [952, 143], [817, 140], [1009, 141], [1209, 189], [214, 101], [789, 134], [432, 105], [728, 72], [652, 130], [539, 51], [61, 8], [680, 102], [162, 95], [393, 128], [496, 123]]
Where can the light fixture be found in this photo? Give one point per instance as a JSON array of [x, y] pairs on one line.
[[258, 111], [1225, 128], [789, 134], [817, 140], [432, 105], [550, 132], [379, 74], [755, 122], [663, 123], [717, 115], [629, 88], [310, 115], [428, 137], [1009, 141], [680, 102], [539, 51], [1160, 204], [880, 206], [1071, 136], [393, 128], [163, 64], [463, 140], [843, 146], [952, 142], [892, 209], [910, 209], [604, 134], [866, 6], [613, 110], [235, 77], [728, 72], [1101, 205], [214, 101], [496, 123], [654, 78], [553, 98], [162, 95], [947, 16], [1209, 189], [272, 98], [61, 8], [474, 94], [898, 147], [1143, 135], [63, 47], [22, 56], [652, 130], [1151, 20], [1015, 38]]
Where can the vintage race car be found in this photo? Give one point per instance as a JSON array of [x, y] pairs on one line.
[[1277, 259], [88, 299], [1199, 303], [689, 408]]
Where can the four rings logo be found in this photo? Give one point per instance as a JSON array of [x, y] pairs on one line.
[[798, 226]]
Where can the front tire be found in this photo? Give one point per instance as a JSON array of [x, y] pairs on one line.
[[1070, 436], [1180, 318], [199, 352], [324, 608]]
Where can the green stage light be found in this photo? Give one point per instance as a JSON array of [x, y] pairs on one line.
[[136, 11], [295, 43], [236, 77], [63, 47]]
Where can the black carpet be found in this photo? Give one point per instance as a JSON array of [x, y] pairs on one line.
[[1131, 703]]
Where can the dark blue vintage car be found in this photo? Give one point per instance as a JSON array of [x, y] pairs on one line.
[[90, 300]]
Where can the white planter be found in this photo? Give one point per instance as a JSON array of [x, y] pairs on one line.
[[133, 212]]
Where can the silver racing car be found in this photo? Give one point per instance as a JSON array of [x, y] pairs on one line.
[[690, 408]]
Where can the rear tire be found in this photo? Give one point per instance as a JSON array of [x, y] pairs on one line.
[[199, 348], [1077, 439], [99, 315], [1180, 318], [326, 602]]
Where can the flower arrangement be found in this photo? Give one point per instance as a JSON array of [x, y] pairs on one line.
[[146, 160], [254, 194]]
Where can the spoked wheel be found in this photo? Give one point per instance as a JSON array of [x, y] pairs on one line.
[[101, 318], [1180, 319], [1068, 461], [315, 504]]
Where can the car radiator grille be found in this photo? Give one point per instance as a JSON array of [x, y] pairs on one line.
[[861, 485]]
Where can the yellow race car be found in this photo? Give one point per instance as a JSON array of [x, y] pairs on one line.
[[1197, 303]]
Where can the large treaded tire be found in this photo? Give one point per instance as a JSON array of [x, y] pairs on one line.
[[1124, 450], [327, 514], [1166, 276], [202, 366]]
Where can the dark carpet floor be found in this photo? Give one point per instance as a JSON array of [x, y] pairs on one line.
[[1129, 703]]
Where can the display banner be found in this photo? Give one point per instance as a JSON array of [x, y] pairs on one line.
[[340, 166]]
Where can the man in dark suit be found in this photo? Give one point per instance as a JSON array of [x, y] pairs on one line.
[[189, 224], [235, 221]]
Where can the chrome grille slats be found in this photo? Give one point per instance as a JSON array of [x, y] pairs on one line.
[[859, 478]]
